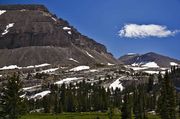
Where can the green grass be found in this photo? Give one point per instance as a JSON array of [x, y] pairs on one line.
[[153, 117], [86, 115]]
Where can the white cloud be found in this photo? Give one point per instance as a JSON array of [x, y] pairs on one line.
[[142, 31]]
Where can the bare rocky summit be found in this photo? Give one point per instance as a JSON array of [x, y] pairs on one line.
[[160, 60], [30, 35]]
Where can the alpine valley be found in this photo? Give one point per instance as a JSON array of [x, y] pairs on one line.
[[46, 50]]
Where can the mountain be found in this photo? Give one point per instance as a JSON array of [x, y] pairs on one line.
[[31, 35], [151, 57]]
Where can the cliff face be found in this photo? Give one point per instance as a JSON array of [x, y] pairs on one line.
[[29, 32]]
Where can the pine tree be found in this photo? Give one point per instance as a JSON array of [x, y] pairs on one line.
[[13, 105], [46, 104], [150, 83], [167, 101], [140, 102], [63, 97], [126, 108]]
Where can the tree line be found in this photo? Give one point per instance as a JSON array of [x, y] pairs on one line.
[[134, 102]]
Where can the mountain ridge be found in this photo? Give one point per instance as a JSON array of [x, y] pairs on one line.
[[161, 60], [30, 26]]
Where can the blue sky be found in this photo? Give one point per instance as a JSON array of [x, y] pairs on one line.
[[103, 19]]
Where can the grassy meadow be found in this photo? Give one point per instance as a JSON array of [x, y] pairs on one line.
[[86, 115]]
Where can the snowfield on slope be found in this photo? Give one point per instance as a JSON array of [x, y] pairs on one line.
[[109, 64], [10, 67], [142, 66], [2, 12], [40, 95], [138, 68], [117, 84], [93, 70], [71, 59], [69, 32], [53, 18], [80, 68], [151, 65], [154, 72], [67, 80], [89, 54], [66, 28], [7, 28], [48, 70], [173, 64], [147, 64], [42, 65], [137, 64], [32, 87]]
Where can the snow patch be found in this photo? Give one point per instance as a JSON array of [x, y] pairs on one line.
[[109, 64], [164, 68], [151, 65], [69, 32], [37, 66], [73, 60], [22, 96], [10, 67], [155, 72], [7, 28], [147, 64], [152, 72], [67, 80], [32, 87], [41, 94], [117, 84], [66, 28], [2, 12], [17, 67], [138, 68], [42, 65], [137, 64], [93, 70], [28, 67], [53, 18], [89, 54], [134, 64], [173, 64], [80, 68], [49, 70]]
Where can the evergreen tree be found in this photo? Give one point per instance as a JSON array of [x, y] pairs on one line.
[[140, 102], [46, 104], [150, 83], [63, 97], [126, 108], [13, 106], [167, 101]]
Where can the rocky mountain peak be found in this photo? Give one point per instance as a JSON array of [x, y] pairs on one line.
[[160, 60], [24, 28], [24, 7]]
